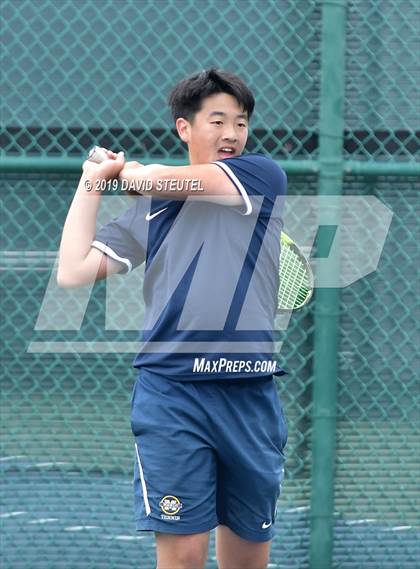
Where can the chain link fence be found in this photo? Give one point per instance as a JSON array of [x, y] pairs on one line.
[[82, 73], [79, 73]]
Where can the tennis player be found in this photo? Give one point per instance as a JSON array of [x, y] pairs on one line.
[[208, 425]]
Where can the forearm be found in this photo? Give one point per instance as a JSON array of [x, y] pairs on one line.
[[80, 227], [204, 181], [147, 180]]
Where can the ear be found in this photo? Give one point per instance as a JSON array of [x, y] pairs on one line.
[[184, 129]]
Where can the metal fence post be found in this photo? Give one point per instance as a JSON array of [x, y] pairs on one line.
[[327, 300]]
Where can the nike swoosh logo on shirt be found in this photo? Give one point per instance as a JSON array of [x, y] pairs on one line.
[[149, 217], [266, 525]]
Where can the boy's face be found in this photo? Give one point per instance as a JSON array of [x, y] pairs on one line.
[[219, 130]]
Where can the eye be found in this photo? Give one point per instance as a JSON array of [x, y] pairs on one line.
[[217, 122], [242, 124]]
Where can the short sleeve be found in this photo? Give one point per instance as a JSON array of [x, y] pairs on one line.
[[258, 179], [122, 240]]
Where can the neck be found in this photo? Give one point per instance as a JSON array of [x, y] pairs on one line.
[[191, 158]]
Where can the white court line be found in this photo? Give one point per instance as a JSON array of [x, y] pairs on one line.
[[43, 521], [4, 458], [80, 528], [49, 463], [356, 522], [299, 509], [124, 537], [398, 528], [11, 514]]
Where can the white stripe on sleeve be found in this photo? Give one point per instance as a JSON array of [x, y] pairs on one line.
[[238, 185], [111, 253]]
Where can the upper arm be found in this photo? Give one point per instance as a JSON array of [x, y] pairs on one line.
[[118, 247], [213, 181], [96, 266], [107, 265]]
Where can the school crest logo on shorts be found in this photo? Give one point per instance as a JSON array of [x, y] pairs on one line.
[[170, 506]]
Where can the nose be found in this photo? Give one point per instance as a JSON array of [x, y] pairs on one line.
[[229, 134]]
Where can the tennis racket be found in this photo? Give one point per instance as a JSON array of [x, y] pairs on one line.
[[296, 278]]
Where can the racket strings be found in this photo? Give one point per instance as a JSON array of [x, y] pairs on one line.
[[294, 282]]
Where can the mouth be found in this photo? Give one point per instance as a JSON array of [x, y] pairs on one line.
[[226, 152]]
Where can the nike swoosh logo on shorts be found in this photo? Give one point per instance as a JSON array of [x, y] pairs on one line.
[[266, 525], [149, 217]]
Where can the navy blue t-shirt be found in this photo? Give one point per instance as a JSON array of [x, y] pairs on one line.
[[211, 275]]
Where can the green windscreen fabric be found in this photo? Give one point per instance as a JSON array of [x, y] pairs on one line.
[[78, 73]]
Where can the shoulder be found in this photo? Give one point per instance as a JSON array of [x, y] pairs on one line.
[[258, 171], [257, 159], [256, 162]]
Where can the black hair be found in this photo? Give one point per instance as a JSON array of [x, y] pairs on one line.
[[187, 97]]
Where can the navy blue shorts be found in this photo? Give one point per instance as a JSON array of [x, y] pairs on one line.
[[207, 453]]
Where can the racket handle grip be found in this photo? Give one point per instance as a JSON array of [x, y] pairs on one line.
[[97, 155]]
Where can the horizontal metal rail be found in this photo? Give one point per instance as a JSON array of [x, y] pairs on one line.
[[50, 164]]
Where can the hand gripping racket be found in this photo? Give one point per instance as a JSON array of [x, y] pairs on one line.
[[296, 278]]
